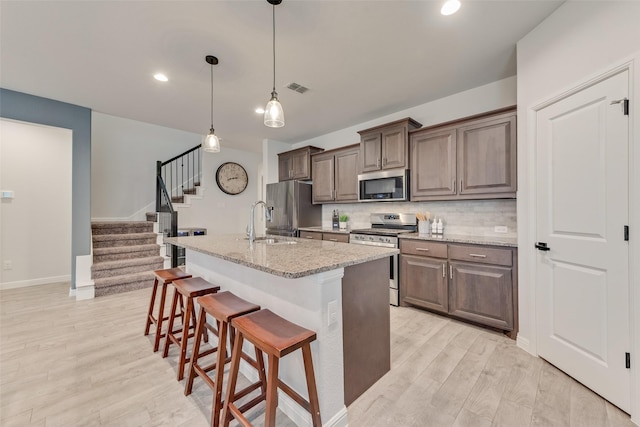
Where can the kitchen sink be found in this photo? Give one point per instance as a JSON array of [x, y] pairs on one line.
[[272, 241]]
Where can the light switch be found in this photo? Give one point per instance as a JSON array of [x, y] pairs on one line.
[[7, 194]]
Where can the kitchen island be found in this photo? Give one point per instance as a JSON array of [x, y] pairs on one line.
[[338, 290]]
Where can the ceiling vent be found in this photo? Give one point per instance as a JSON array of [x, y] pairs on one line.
[[297, 87]]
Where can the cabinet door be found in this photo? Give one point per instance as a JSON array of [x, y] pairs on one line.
[[347, 164], [487, 157], [423, 282], [394, 147], [311, 235], [284, 167], [433, 164], [323, 178], [300, 164], [482, 294], [370, 151]]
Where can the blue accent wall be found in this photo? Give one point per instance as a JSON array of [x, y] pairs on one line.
[[34, 109]]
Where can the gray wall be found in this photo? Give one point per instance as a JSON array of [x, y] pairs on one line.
[[29, 108]]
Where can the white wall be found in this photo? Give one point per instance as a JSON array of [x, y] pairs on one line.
[[35, 226], [219, 212], [123, 164], [578, 42], [478, 100]]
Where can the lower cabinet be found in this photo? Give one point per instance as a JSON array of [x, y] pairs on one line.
[[318, 235], [471, 282], [425, 282]]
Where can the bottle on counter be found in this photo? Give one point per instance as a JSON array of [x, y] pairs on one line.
[[440, 226], [335, 220], [434, 226]]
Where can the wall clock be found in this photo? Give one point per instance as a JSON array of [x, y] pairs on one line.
[[232, 178]]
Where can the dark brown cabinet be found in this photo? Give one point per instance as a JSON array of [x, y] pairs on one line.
[[335, 175], [386, 146], [296, 164], [472, 282], [470, 159]]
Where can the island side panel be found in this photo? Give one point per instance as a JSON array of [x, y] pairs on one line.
[[366, 326], [303, 301]]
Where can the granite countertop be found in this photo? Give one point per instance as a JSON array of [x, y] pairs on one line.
[[511, 242], [324, 230], [304, 258]]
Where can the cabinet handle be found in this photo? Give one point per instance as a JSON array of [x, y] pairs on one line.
[[453, 184], [450, 272], [309, 237], [460, 186], [384, 162], [444, 271], [333, 240], [378, 163], [422, 249], [478, 255]]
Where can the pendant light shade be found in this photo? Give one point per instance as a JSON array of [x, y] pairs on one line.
[[273, 112], [211, 142]]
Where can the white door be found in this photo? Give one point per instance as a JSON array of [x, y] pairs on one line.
[[583, 278]]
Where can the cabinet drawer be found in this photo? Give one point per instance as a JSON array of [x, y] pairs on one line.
[[336, 237], [310, 235], [424, 248], [481, 254]]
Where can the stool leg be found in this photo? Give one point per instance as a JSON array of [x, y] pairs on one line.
[[233, 379], [172, 316], [314, 406], [195, 352], [272, 392], [185, 338], [223, 328], [163, 298], [151, 304]]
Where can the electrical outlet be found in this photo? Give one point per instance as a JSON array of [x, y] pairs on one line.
[[500, 229], [333, 313], [7, 265]]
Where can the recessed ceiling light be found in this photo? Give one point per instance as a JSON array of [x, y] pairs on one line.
[[450, 7], [259, 110], [160, 77]]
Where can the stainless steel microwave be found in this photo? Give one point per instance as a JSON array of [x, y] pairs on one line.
[[384, 186]]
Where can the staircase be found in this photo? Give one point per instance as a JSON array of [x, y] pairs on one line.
[[125, 253]]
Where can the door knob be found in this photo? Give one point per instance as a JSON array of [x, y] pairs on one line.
[[542, 246]]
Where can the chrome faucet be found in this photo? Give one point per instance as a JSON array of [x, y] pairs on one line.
[[267, 214]]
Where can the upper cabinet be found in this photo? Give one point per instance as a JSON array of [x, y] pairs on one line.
[[469, 159], [386, 146], [335, 175], [296, 164]]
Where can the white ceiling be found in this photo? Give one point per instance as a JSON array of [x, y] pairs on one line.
[[360, 59]]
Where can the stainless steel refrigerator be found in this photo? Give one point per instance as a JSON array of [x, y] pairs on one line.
[[292, 208]]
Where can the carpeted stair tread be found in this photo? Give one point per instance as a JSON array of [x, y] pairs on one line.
[[126, 266], [115, 253], [132, 239], [121, 227], [123, 283]]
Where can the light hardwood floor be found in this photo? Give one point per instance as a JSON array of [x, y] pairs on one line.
[[68, 363]]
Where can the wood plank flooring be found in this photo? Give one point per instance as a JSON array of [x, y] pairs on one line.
[[86, 363]]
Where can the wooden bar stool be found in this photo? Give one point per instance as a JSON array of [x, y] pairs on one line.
[[163, 278], [223, 307], [185, 288], [277, 337]]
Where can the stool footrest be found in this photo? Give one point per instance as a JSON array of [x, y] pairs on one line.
[[294, 395]]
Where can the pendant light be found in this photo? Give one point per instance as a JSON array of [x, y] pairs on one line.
[[211, 143], [273, 113]]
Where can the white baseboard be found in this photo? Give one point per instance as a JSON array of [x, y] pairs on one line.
[[84, 291], [35, 282], [524, 344]]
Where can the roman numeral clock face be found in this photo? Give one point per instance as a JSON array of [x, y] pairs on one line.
[[232, 178]]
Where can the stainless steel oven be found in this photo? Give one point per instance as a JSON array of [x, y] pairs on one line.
[[384, 231]]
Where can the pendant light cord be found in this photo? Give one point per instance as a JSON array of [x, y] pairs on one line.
[[274, 47], [211, 96]]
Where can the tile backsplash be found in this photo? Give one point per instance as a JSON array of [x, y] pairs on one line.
[[464, 217]]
